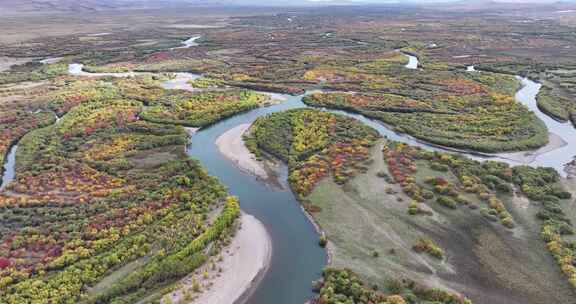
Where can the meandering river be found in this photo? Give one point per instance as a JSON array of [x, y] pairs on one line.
[[558, 157], [297, 259]]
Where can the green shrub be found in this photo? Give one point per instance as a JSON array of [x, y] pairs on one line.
[[446, 202]]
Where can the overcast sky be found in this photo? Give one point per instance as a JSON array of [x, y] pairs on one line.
[[398, 1], [329, 2], [424, 1]]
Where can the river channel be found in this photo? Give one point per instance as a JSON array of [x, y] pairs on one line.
[[297, 259]]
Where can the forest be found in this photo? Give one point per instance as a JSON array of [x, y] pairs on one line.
[[471, 114], [102, 189], [201, 109], [314, 144]]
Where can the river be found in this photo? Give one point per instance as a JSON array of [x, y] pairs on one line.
[[412, 61], [9, 167], [297, 259], [556, 154], [8, 171], [188, 43], [560, 156]]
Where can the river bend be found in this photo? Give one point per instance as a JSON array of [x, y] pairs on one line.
[[297, 259]]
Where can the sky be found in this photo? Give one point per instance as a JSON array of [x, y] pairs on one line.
[[397, 1], [331, 2]]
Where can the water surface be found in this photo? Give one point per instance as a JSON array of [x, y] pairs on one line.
[[297, 260], [412, 62], [9, 167], [188, 43], [559, 157]]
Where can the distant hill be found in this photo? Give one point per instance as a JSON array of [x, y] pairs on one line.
[[54, 5], [503, 5], [40, 6]]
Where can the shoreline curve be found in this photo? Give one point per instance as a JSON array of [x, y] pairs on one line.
[[231, 145], [243, 266]]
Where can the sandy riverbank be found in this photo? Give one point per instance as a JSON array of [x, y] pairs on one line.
[[232, 146], [191, 131], [181, 81], [244, 263], [525, 158]]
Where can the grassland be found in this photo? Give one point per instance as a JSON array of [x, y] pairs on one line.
[[412, 220], [371, 231]]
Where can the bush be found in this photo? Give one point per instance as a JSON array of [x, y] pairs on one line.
[[446, 202], [386, 177], [427, 194], [508, 222], [428, 246], [438, 167], [413, 208], [461, 200], [489, 214]]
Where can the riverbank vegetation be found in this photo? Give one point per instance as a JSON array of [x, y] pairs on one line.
[[558, 85], [465, 114], [314, 144], [320, 146], [206, 83], [17, 122], [542, 185], [33, 71], [201, 109], [344, 286], [101, 190], [453, 181], [557, 105], [20, 113], [405, 201], [107, 187]]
